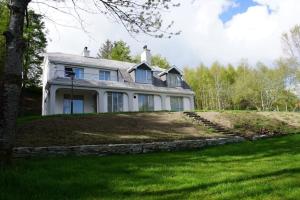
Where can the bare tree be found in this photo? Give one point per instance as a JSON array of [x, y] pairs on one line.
[[291, 42], [291, 46], [144, 16]]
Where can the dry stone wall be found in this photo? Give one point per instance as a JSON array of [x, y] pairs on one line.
[[110, 149]]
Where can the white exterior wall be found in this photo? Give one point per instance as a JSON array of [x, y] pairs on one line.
[[136, 102], [90, 74], [125, 103], [52, 71], [187, 104], [58, 70], [88, 103], [105, 102], [168, 103], [157, 103]]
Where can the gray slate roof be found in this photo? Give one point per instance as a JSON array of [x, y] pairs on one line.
[[122, 67], [87, 61]]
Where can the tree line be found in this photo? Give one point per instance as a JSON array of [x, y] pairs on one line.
[[244, 87]]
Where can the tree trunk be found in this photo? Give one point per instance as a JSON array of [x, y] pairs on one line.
[[12, 80]]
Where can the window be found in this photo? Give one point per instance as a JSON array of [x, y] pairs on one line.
[[174, 80], [78, 72], [114, 102], [176, 103], [104, 75], [146, 102], [143, 76], [77, 104]]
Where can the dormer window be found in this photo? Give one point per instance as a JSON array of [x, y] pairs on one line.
[[142, 73], [143, 76], [172, 76], [174, 80]]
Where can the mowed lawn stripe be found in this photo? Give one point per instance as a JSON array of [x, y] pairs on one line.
[[266, 169]]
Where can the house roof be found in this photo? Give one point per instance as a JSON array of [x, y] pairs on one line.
[[138, 65], [70, 59], [123, 68], [170, 69]]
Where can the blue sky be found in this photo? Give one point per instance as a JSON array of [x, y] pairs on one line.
[[240, 6]]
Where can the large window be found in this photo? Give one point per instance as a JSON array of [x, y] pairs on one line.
[[114, 102], [77, 104], [104, 75], [143, 76], [78, 72], [176, 103], [174, 80], [146, 102]]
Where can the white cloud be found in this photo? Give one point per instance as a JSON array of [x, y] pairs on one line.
[[253, 35]]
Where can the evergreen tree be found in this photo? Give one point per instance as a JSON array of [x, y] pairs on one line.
[[35, 36], [105, 50], [120, 51]]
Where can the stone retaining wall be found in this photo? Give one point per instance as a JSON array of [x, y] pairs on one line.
[[109, 149]]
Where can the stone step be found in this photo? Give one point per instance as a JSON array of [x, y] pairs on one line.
[[209, 124]]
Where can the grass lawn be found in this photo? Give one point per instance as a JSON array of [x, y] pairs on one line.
[[251, 122], [266, 169]]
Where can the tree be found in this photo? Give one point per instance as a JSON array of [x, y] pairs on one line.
[[35, 37], [120, 51], [3, 26], [105, 50], [158, 60], [135, 16], [291, 42]]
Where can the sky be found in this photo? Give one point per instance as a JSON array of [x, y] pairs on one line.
[[226, 31]]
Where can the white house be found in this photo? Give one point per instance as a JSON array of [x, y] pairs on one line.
[[102, 85]]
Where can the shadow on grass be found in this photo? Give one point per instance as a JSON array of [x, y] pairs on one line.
[[227, 172]]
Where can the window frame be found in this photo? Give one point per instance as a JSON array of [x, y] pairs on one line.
[[179, 103], [146, 76], [111, 97], [74, 69], [174, 80], [147, 104], [105, 75]]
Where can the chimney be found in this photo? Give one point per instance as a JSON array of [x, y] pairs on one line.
[[146, 55], [86, 52]]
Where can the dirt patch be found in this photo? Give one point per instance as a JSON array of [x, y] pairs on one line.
[[109, 128]]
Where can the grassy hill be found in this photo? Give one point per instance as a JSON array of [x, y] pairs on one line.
[[265, 169], [250, 122], [145, 127]]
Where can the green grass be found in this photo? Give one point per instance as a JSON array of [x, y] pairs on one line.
[[266, 169]]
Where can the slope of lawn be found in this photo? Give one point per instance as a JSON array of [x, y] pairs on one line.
[[107, 128], [250, 122], [265, 169]]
